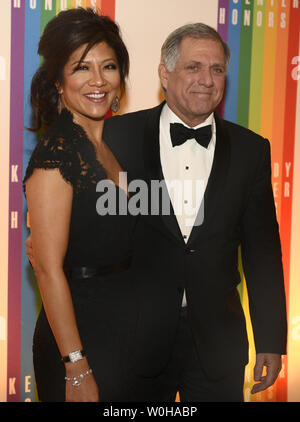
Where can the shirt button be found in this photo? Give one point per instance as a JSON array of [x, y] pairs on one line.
[[190, 251], [185, 201]]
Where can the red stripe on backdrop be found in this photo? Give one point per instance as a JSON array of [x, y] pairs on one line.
[[288, 161], [108, 8], [289, 132]]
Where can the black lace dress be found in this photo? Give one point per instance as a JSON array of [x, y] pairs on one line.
[[104, 305]]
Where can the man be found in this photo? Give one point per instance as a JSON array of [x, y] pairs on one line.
[[191, 334]]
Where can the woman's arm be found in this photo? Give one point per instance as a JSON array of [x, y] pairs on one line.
[[49, 199]]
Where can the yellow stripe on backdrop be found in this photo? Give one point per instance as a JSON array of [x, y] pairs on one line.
[[249, 368], [78, 3], [5, 20], [257, 62], [86, 3]]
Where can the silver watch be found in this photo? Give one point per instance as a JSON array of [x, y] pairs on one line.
[[74, 356]]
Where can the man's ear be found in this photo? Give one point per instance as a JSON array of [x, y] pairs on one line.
[[163, 75]]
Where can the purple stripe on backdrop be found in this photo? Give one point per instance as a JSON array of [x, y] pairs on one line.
[[223, 10], [223, 18], [15, 203]]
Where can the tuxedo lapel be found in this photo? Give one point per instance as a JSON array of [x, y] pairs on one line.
[[151, 150], [154, 173], [216, 180]]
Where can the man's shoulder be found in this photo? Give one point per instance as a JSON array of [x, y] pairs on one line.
[[242, 137], [138, 117], [237, 131]]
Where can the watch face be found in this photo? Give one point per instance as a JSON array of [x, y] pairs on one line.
[[75, 356]]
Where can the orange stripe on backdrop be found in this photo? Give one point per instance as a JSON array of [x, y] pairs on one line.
[[266, 130], [279, 100], [276, 136], [288, 158], [93, 4]]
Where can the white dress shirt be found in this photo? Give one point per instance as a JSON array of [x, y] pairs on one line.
[[186, 169]]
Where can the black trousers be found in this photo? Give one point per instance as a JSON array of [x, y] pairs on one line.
[[185, 375]]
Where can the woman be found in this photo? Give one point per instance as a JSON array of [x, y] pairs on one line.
[[82, 260]]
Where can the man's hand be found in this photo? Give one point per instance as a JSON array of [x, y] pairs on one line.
[[272, 362]]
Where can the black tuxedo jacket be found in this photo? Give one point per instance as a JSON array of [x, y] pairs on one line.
[[239, 214]]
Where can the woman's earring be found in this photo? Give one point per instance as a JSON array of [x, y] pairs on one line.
[[115, 106]]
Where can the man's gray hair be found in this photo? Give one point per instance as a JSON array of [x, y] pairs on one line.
[[170, 48]]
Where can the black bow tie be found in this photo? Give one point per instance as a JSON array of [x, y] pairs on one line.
[[180, 133]]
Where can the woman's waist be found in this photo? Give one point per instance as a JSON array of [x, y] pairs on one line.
[[98, 268]]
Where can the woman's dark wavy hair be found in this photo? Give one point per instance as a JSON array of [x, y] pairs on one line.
[[69, 30]]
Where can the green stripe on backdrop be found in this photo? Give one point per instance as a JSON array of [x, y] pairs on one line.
[[245, 63], [63, 5], [257, 62], [48, 11]]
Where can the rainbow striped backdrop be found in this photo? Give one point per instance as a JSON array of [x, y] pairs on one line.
[[261, 94]]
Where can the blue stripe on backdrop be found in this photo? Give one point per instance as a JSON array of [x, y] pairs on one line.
[[234, 25], [29, 287]]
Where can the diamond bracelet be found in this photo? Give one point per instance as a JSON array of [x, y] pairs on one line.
[[76, 381]]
